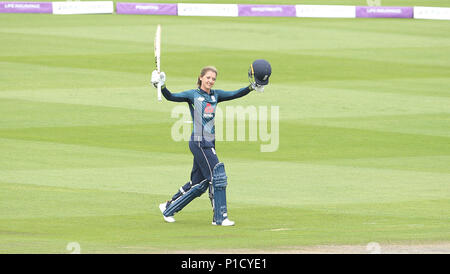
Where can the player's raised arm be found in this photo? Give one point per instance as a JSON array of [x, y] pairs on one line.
[[258, 75], [230, 95]]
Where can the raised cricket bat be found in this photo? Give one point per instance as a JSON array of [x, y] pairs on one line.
[[157, 47]]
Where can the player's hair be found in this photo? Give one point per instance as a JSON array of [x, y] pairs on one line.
[[203, 72]]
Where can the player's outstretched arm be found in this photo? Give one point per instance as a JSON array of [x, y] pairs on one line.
[[230, 95]]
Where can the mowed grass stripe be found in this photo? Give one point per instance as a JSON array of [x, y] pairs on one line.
[[305, 67], [302, 183], [139, 106], [364, 99], [435, 124], [298, 142], [34, 155], [16, 43], [314, 184], [31, 114], [319, 67], [305, 142], [312, 143], [20, 76], [67, 201], [401, 32], [139, 100], [309, 34], [63, 202], [116, 62], [422, 55], [434, 164], [406, 86], [310, 100]]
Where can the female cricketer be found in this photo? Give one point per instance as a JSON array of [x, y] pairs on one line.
[[207, 172]]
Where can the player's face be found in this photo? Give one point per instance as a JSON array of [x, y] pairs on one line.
[[208, 80]]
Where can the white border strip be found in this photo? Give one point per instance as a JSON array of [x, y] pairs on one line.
[[85, 7], [208, 10], [326, 11], [435, 13]]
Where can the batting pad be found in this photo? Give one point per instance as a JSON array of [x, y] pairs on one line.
[[177, 205], [219, 183]]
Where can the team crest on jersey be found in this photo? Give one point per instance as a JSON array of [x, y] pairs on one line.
[[213, 98], [209, 108]]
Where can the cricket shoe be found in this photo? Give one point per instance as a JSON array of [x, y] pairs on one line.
[[169, 219], [225, 222]]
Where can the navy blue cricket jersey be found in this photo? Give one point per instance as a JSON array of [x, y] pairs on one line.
[[203, 109]]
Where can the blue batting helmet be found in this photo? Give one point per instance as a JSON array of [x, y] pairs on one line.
[[259, 72]]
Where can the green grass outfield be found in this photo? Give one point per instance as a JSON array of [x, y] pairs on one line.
[[86, 153]]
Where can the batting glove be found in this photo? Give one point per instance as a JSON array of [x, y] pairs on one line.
[[158, 78], [257, 87]]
